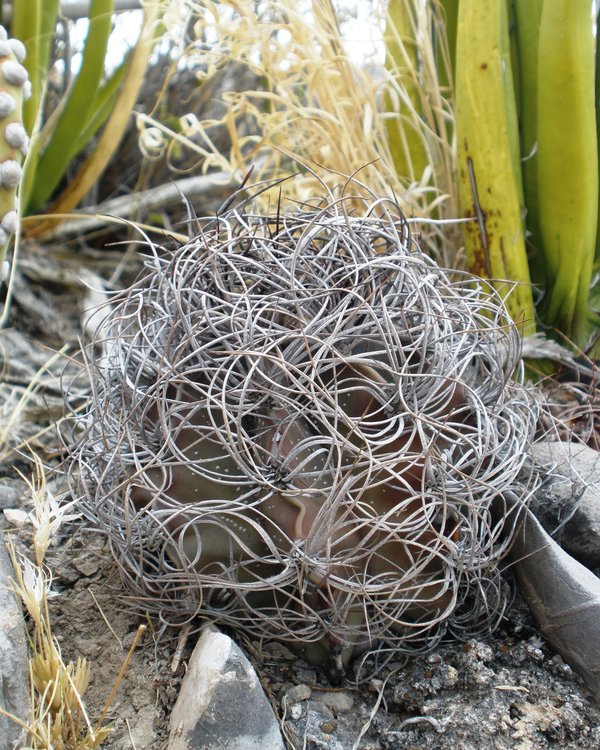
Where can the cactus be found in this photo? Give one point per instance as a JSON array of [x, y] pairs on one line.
[[298, 430], [14, 142]]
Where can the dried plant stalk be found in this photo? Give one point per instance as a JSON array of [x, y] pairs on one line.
[[317, 113]]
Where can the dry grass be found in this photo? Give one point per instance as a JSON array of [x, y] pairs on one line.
[[59, 718], [319, 114]]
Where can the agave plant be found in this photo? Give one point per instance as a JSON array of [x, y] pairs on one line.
[[93, 101], [299, 427], [528, 155]]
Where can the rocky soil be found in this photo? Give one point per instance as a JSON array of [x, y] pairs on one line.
[[510, 691]]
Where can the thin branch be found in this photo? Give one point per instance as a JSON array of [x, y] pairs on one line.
[[160, 198]]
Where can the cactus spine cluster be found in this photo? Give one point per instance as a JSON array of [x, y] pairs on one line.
[[14, 89]]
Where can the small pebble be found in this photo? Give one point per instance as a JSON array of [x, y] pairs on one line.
[[339, 702], [535, 653], [16, 517], [298, 693], [448, 677], [307, 676], [295, 711], [85, 565]]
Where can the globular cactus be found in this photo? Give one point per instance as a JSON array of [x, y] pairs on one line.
[[14, 142], [298, 428]]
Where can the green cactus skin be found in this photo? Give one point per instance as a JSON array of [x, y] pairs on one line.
[[14, 142]]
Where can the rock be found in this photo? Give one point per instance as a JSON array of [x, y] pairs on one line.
[[297, 694], [142, 731], [340, 702], [86, 565], [221, 703], [316, 730], [568, 504], [11, 492], [306, 676], [14, 667], [16, 517]]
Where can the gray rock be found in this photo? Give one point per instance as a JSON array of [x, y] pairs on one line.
[[316, 729], [14, 667], [297, 693], [568, 503], [340, 702], [221, 703]]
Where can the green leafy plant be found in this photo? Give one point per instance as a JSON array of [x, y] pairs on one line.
[[92, 101], [527, 164]]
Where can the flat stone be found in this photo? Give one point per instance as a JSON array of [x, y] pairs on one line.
[[14, 659], [568, 503], [221, 703]]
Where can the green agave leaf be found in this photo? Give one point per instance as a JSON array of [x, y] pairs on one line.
[[405, 141], [567, 170], [120, 114], [102, 106], [449, 14], [528, 14], [488, 160], [60, 149]]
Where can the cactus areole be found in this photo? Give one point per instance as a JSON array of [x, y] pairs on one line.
[[298, 426], [14, 141]]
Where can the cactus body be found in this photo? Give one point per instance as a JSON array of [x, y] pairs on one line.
[[299, 430], [14, 142]]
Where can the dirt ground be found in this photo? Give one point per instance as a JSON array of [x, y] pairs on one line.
[[511, 691]]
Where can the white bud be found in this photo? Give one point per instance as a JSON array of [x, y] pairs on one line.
[[18, 49], [3, 34], [10, 174], [3, 238], [4, 270], [14, 73], [10, 222], [15, 135], [7, 104], [4, 49], [27, 90]]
